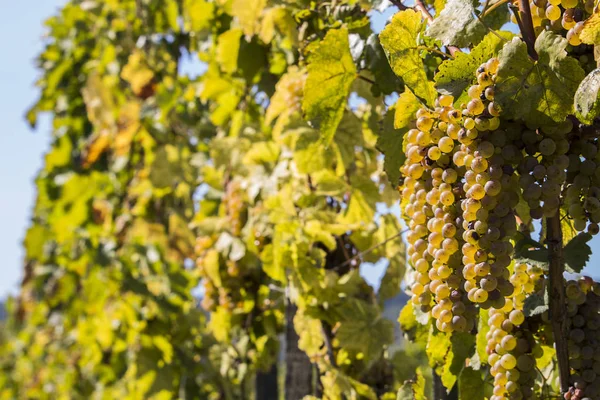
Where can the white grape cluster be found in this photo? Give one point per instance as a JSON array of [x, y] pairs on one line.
[[510, 343], [583, 310]]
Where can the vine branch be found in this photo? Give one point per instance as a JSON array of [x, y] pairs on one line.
[[556, 294], [370, 249], [399, 4], [525, 22], [327, 336]]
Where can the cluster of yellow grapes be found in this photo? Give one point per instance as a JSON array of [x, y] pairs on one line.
[[557, 15], [510, 346], [430, 193], [459, 196]]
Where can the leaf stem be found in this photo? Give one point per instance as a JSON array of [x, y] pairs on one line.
[[486, 10], [556, 294], [364, 78], [434, 50]]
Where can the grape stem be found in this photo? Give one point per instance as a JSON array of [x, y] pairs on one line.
[[556, 294], [525, 23]]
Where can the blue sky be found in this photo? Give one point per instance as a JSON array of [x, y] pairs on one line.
[[21, 149]]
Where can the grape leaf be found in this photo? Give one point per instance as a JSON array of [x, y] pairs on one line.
[[455, 76], [400, 42], [413, 389], [577, 252], [248, 13], [364, 329], [331, 72], [462, 347], [390, 143], [228, 49], [480, 339], [376, 63], [197, 14], [539, 92], [470, 384], [410, 325], [310, 334], [587, 104], [405, 109], [536, 304], [591, 30], [530, 251], [438, 345], [459, 25]]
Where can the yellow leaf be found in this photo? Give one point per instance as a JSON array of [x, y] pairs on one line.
[[137, 73], [310, 335], [591, 30], [197, 14], [128, 125], [288, 94], [248, 13]]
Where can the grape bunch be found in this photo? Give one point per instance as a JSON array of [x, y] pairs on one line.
[[511, 345], [583, 310], [560, 16], [582, 196], [432, 188], [487, 154]]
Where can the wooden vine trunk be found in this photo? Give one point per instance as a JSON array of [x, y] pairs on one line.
[[298, 368]]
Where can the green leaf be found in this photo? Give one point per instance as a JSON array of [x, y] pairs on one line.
[[539, 92], [328, 184], [400, 42], [331, 71], [456, 75], [587, 104], [462, 347], [363, 201], [470, 384], [413, 389], [310, 155], [390, 143], [378, 65], [536, 304], [458, 24], [364, 329], [481, 340], [530, 251], [228, 48], [577, 252]]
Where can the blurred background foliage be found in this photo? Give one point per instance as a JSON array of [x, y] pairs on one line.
[[257, 180]]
